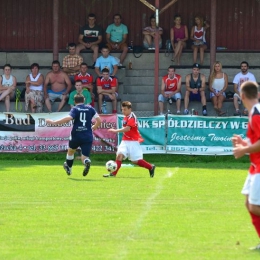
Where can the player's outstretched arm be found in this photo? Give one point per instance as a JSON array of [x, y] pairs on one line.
[[59, 121], [120, 130]]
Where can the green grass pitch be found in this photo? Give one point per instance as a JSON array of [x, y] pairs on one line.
[[190, 211]]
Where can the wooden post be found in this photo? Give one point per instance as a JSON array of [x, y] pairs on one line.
[[156, 40], [213, 17], [167, 6], [55, 29], [156, 60]]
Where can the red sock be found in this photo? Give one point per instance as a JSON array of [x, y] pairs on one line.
[[256, 222], [145, 164], [118, 167]]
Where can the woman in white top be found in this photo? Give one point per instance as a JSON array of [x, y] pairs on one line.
[[7, 86], [218, 83], [197, 35], [34, 90]]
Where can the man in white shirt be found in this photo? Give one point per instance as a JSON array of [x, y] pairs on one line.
[[241, 77]]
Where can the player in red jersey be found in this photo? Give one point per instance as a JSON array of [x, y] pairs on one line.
[[107, 90], [130, 145], [251, 146], [87, 80]]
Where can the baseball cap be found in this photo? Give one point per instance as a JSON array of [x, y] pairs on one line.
[[196, 65]]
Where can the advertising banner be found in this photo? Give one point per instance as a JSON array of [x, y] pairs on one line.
[[195, 135], [23, 133]]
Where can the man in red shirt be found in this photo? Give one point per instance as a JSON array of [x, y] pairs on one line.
[[107, 90], [170, 89], [251, 146], [130, 145], [87, 80]]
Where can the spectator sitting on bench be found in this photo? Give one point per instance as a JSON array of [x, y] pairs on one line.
[[195, 89], [218, 83], [107, 90], [87, 80], [7, 86], [106, 61], [90, 37], [79, 90], [170, 90], [71, 63], [240, 78], [116, 36], [149, 33], [34, 90], [60, 86]]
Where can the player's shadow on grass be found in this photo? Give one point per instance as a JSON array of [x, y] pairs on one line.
[[74, 179]]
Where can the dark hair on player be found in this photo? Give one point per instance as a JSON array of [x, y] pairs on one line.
[[78, 98], [126, 104]]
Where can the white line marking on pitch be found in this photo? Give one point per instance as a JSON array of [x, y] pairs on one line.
[[148, 205]]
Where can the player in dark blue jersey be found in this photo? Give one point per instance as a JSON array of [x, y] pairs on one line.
[[81, 133]]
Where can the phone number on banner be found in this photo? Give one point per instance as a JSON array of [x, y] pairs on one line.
[[195, 150], [33, 148]]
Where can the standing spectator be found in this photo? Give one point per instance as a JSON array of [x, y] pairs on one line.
[[170, 89], [179, 36], [198, 33], [130, 145], [149, 33], [106, 61], [107, 90], [7, 86], [116, 36], [79, 91], [195, 89], [240, 78], [71, 63], [218, 83], [34, 96], [90, 37], [87, 80], [60, 86], [81, 134], [251, 145]]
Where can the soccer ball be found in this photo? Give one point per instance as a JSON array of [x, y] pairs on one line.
[[111, 166]]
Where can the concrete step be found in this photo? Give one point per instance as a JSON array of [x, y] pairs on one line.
[[143, 109], [148, 75], [147, 108], [144, 113], [141, 98], [137, 89], [21, 106], [142, 106], [146, 61]]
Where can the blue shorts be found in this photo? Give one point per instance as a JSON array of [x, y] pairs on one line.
[[84, 145], [195, 97]]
